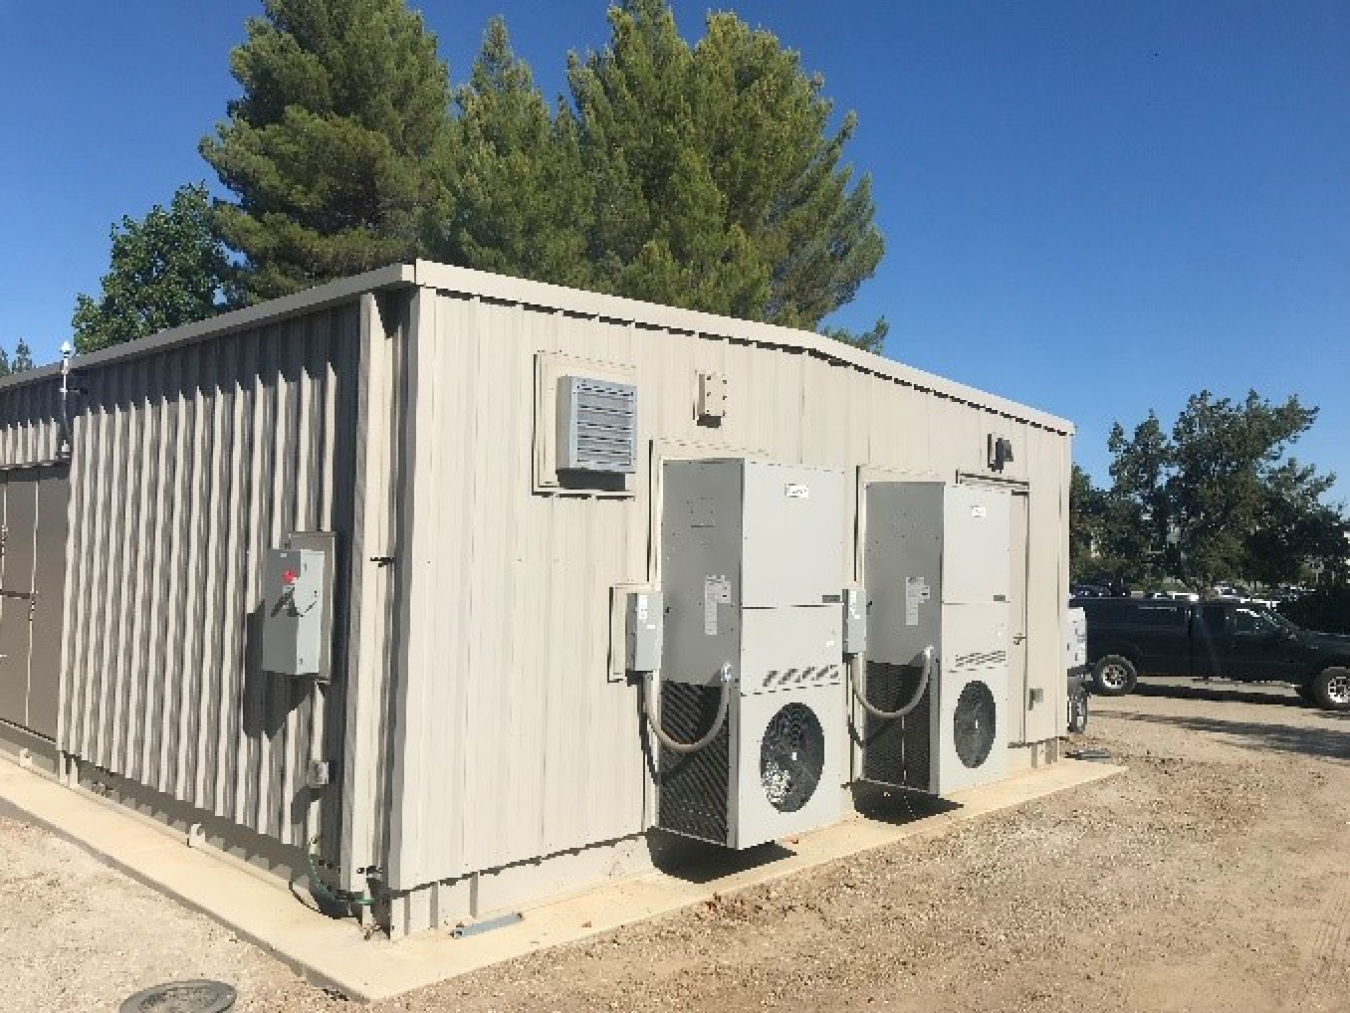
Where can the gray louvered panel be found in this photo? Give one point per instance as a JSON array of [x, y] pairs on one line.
[[597, 425]]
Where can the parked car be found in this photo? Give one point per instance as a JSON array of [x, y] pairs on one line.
[[1127, 638]]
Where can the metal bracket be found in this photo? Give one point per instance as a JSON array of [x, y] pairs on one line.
[[478, 928]]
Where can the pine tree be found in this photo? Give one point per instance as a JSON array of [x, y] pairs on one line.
[[520, 194], [717, 184], [336, 148], [167, 270]]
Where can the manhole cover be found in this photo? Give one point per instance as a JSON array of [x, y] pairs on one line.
[[182, 997]]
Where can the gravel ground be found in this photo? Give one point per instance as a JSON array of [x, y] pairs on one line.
[[1210, 876]]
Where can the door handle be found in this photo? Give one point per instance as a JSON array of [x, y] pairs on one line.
[[1019, 637]]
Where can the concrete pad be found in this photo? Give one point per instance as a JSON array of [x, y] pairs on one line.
[[336, 954]]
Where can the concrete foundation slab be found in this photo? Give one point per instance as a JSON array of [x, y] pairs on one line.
[[337, 955]]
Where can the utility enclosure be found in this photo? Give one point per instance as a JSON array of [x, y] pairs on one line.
[[386, 570]]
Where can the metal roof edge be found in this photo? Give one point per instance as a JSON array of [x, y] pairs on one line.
[[466, 281], [250, 316]]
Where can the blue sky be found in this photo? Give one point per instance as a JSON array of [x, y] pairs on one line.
[[1096, 209]]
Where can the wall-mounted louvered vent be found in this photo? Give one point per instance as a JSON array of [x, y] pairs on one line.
[[597, 425]]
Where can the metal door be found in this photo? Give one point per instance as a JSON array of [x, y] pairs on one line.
[[1209, 640], [32, 589], [1030, 712]]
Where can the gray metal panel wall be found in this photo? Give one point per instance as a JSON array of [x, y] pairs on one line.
[[514, 744], [188, 462], [29, 432]]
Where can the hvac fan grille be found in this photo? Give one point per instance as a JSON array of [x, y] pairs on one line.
[[897, 752], [974, 724], [693, 789], [791, 757]]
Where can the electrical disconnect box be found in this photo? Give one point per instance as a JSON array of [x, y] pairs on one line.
[[296, 616], [751, 565], [936, 563], [644, 627], [855, 621]]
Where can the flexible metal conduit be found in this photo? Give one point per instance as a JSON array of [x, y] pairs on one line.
[[877, 712], [653, 714]]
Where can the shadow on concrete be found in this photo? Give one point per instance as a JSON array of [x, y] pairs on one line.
[[897, 806], [1326, 743], [698, 862]]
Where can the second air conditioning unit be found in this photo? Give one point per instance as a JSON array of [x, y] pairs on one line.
[[936, 563]]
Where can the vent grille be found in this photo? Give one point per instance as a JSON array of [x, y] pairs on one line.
[[693, 797], [974, 724], [980, 659], [597, 425], [897, 752], [813, 676]]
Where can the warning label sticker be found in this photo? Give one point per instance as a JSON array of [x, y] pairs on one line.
[[917, 592], [716, 591]]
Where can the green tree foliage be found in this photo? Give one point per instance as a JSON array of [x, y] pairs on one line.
[[1085, 527], [717, 184], [166, 270], [1108, 535], [22, 360], [336, 148], [1218, 498], [520, 194], [704, 176]]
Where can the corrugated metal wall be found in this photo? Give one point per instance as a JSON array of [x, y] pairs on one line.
[[29, 432], [188, 463], [515, 745]]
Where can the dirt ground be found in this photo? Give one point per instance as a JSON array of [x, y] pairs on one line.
[[1211, 876]]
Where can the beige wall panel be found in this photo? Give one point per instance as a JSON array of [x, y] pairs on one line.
[[515, 743], [512, 724], [189, 462]]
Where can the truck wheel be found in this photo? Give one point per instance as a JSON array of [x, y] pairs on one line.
[[1078, 711], [1331, 689], [1114, 675]]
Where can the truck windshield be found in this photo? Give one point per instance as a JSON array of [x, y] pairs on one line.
[[1283, 621]]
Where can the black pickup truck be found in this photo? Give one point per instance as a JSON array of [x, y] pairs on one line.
[[1130, 637]]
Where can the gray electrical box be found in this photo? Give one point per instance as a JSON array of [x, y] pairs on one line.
[[855, 621], [644, 625], [597, 425], [296, 611]]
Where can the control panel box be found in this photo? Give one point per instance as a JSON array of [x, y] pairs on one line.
[[296, 611], [855, 621], [644, 625]]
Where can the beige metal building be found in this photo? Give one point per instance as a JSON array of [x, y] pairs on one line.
[[473, 740]]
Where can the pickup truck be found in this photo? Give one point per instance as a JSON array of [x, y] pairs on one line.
[[1130, 637]]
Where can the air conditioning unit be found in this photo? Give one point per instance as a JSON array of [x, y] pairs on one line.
[[748, 725], [934, 681]]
